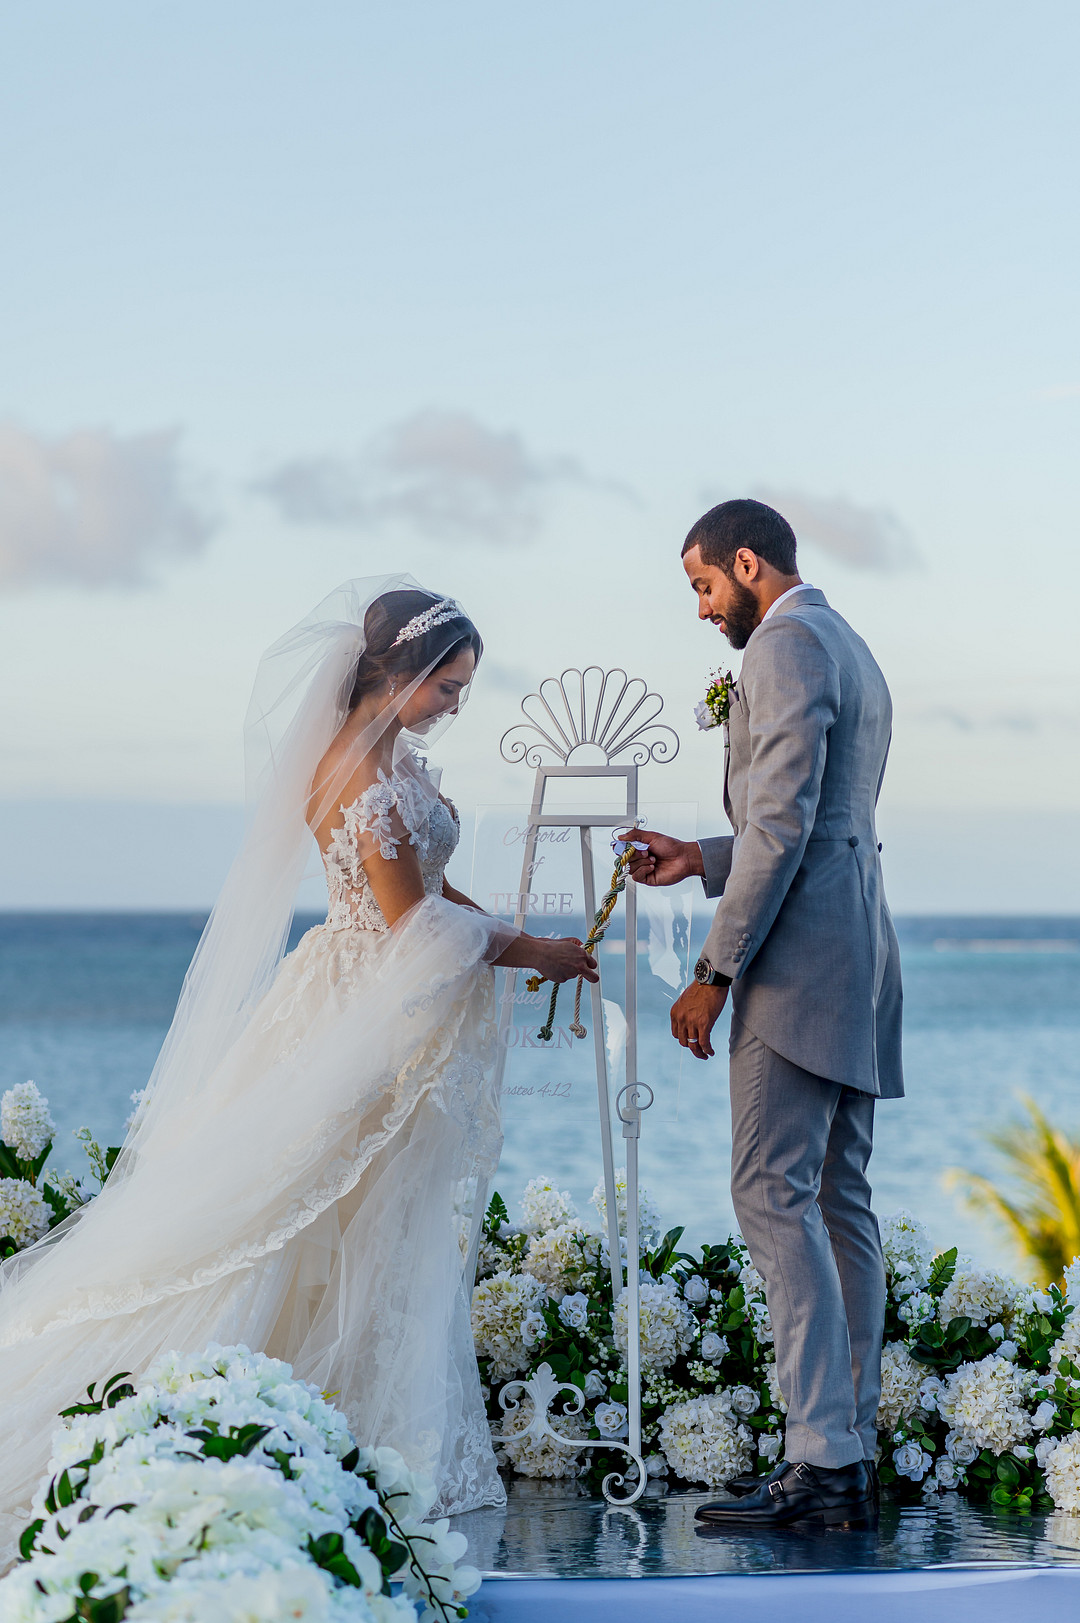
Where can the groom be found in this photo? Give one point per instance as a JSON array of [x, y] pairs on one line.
[[803, 938]]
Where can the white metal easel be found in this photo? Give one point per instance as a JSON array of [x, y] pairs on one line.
[[600, 725]]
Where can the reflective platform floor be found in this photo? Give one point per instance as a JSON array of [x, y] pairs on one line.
[[551, 1552]]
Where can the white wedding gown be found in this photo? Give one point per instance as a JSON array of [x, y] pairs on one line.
[[309, 1200]]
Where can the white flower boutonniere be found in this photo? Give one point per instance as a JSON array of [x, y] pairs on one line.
[[715, 706]]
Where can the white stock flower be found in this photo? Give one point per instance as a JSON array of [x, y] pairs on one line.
[[772, 1381], [912, 1461], [499, 1306], [909, 1254], [1062, 1469], [984, 1297], [595, 1384], [1072, 1282], [545, 1207], [714, 1348], [703, 1440], [611, 1418], [695, 1290], [555, 1256], [574, 1311], [902, 1380], [25, 1123], [984, 1403], [668, 1327], [24, 1212], [918, 1308], [648, 1216]]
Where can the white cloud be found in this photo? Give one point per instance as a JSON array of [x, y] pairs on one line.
[[1059, 391], [864, 537], [442, 472], [92, 507]]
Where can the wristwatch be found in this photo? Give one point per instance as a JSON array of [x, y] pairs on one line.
[[706, 975]]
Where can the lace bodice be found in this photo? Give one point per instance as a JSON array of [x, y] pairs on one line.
[[431, 826]]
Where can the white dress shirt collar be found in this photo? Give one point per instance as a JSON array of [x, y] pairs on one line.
[[803, 586]]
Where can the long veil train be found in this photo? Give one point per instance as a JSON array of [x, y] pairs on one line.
[[296, 1176]]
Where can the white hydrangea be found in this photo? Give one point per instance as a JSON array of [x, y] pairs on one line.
[[981, 1296], [26, 1126], [24, 1212], [546, 1458], [648, 1216], [545, 1207], [984, 1402], [555, 1256], [704, 1440], [1062, 1467], [499, 1307], [1067, 1345], [668, 1327], [901, 1386], [909, 1255]]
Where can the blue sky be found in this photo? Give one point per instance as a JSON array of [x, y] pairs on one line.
[[506, 296]]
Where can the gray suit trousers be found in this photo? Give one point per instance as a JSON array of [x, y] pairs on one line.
[[800, 1147]]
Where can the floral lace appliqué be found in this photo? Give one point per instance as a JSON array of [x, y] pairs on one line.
[[433, 831]]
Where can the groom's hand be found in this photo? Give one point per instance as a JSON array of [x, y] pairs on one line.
[[667, 860], [693, 1016]]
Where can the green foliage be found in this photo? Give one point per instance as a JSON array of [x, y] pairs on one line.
[[229, 1442], [1041, 1210], [115, 1389], [495, 1215]]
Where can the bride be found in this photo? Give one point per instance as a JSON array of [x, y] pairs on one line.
[[297, 1173]]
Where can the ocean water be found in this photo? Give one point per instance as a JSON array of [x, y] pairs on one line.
[[992, 1010]]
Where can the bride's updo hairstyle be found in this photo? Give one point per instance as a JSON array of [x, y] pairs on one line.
[[382, 662]]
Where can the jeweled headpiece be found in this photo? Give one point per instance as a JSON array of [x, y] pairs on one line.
[[437, 615]]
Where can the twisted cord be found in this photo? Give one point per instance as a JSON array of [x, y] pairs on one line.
[[595, 936]]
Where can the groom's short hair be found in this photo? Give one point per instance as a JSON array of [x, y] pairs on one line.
[[721, 531]]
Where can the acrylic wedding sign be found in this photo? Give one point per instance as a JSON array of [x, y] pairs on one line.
[[546, 864]]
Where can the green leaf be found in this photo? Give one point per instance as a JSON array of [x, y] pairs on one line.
[[957, 1328], [29, 1536], [1001, 1496], [496, 1214], [942, 1271], [38, 1162], [9, 1166], [1008, 1471], [233, 1441], [351, 1460], [328, 1552]]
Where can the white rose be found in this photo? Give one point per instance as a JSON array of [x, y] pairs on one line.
[[1044, 1448], [1021, 1451], [744, 1400], [695, 1290], [997, 1331], [1008, 1349], [574, 1310], [947, 1474], [714, 1348], [611, 1418], [704, 716], [595, 1384], [1044, 1415], [532, 1328], [960, 1449], [656, 1465], [911, 1461], [769, 1445]]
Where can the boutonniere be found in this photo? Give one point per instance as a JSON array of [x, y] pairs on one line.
[[714, 708]]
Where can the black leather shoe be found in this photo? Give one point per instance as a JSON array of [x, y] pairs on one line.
[[750, 1482], [802, 1493]]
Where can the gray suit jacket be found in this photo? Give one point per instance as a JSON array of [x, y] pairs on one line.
[[802, 927]]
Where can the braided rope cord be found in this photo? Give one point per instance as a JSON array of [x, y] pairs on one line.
[[595, 936]]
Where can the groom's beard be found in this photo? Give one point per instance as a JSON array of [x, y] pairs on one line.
[[742, 617]]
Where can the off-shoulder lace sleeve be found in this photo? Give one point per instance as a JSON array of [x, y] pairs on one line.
[[372, 813]]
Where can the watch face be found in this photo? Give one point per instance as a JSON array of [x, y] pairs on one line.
[[703, 971]]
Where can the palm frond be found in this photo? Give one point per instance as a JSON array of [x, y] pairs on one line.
[[1040, 1206]]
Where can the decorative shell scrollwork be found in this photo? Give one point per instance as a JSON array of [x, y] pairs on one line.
[[588, 713]]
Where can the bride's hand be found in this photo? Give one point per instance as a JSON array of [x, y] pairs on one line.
[[563, 959]]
